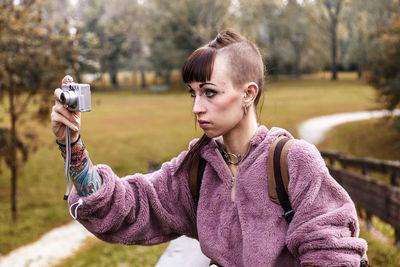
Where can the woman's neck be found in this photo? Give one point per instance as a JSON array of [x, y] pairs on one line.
[[237, 140]]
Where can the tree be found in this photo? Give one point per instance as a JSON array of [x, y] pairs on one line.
[[296, 33], [384, 63], [181, 28], [110, 33], [333, 8], [285, 35], [363, 19], [356, 19], [32, 56], [327, 17], [258, 21], [293, 34]]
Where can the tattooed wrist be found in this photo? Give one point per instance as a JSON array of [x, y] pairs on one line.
[[83, 174], [77, 151]]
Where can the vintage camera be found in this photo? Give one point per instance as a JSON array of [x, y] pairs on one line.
[[76, 96]]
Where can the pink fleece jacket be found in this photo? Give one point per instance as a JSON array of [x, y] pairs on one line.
[[251, 231]]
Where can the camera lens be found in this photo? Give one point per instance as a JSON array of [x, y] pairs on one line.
[[69, 98], [62, 98]]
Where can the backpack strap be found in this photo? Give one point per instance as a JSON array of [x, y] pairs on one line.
[[195, 177], [278, 175]]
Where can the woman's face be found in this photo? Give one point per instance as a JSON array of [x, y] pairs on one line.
[[216, 103]]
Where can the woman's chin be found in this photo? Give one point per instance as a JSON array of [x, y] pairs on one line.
[[210, 133]]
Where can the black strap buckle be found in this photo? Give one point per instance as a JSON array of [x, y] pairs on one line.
[[288, 215]]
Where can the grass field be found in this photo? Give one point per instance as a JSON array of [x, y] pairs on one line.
[[364, 141], [96, 253], [128, 131]]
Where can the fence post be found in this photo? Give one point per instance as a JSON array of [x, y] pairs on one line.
[[344, 166], [368, 215], [393, 178]]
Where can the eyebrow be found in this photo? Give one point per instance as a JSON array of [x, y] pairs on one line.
[[202, 84]]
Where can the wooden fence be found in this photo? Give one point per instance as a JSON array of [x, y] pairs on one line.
[[375, 197]]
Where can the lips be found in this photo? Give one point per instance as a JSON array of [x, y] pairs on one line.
[[204, 124]]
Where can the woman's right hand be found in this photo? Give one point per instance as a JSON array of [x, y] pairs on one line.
[[61, 116]]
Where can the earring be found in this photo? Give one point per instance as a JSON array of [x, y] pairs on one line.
[[245, 109]]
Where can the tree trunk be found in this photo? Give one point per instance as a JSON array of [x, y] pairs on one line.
[[298, 60], [134, 80], [334, 8], [334, 50], [113, 77], [14, 164], [143, 78], [167, 77]]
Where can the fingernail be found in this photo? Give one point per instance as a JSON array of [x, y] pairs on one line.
[[77, 121], [68, 79], [76, 128]]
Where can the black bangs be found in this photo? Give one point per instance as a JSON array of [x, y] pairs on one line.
[[199, 65]]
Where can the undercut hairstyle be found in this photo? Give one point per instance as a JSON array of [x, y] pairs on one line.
[[246, 65], [245, 61]]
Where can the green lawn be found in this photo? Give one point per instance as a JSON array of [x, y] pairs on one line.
[[369, 138], [129, 130], [96, 253]]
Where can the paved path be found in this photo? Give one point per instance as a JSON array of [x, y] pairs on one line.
[[183, 251], [62, 242], [56, 245], [314, 130]]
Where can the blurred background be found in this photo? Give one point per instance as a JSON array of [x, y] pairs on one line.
[[322, 56]]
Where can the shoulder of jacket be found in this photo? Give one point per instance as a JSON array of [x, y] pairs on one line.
[[303, 149], [275, 132]]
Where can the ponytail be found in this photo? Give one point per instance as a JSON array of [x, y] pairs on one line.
[[193, 154]]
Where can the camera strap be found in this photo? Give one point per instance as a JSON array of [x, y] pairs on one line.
[[67, 161]]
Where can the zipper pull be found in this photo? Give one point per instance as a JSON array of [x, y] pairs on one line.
[[233, 190]]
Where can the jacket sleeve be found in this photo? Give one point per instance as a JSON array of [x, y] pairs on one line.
[[142, 209], [324, 230]]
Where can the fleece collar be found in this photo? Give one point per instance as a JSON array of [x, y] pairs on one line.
[[258, 138], [258, 144]]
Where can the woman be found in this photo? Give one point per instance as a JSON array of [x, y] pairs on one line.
[[234, 220]]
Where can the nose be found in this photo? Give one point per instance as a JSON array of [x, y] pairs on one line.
[[198, 106]]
